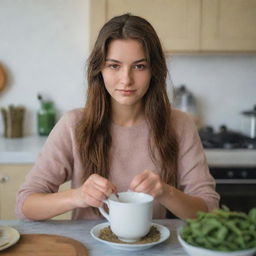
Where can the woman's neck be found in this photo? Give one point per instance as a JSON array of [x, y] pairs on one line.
[[127, 115]]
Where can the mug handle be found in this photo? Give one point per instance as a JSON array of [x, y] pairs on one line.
[[103, 212]]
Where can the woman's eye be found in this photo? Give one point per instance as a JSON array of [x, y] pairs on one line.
[[140, 67], [114, 66]]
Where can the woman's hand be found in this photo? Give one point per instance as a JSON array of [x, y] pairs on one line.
[[94, 190], [180, 204], [150, 183]]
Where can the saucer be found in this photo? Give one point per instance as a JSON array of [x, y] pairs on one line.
[[164, 234], [8, 237]]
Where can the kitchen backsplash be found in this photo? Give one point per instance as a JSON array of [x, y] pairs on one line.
[[224, 86], [51, 59]]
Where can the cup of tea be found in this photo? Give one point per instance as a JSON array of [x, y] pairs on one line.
[[130, 215]]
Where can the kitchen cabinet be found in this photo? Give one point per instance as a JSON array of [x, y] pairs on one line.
[[188, 25], [11, 177], [228, 25], [177, 22]]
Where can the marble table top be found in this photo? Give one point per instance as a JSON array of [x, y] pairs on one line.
[[80, 230]]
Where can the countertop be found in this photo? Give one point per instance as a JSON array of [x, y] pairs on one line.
[[20, 150], [25, 150], [80, 230]]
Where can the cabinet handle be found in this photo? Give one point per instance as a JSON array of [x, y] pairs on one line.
[[4, 179]]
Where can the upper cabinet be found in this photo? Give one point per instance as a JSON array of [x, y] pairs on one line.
[[228, 25], [177, 22], [187, 25]]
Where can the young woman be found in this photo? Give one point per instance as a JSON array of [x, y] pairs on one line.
[[126, 137]]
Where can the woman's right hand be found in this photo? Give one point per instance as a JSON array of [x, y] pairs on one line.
[[94, 190]]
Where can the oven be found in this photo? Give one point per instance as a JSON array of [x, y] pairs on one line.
[[236, 186], [235, 183], [231, 157]]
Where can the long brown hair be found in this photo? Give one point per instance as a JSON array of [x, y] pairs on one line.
[[93, 132]]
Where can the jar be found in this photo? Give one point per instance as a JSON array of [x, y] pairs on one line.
[[46, 118]]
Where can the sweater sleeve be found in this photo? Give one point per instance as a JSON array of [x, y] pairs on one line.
[[54, 164], [193, 176]]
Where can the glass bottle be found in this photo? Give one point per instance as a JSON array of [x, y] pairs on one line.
[[46, 118]]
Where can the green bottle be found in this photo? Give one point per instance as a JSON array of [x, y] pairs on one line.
[[46, 117]]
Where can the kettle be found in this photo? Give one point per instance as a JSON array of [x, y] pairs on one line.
[[185, 101]]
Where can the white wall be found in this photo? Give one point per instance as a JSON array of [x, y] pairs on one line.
[[224, 86], [44, 45]]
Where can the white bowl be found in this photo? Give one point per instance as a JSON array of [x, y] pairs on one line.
[[199, 251]]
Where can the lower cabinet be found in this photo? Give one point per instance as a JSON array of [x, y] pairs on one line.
[[11, 178]]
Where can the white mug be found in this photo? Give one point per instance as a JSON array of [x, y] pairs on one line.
[[130, 215]]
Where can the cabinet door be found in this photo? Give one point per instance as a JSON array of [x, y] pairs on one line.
[[11, 178], [177, 22], [229, 25]]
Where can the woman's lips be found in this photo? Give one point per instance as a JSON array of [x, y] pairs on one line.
[[126, 92]]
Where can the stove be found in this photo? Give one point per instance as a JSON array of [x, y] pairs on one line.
[[225, 139], [232, 162]]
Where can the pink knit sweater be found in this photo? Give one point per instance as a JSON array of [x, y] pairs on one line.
[[59, 161]]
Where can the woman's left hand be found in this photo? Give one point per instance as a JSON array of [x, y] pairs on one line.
[[150, 183]]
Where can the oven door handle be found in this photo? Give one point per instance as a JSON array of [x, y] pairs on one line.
[[235, 181]]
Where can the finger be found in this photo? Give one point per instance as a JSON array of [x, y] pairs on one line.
[[103, 184], [114, 189], [153, 191], [99, 180], [108, 188], [94, 192], [146, 186], [92, 201], [89, 196], [107, 191], [138, 179], [156, 190]]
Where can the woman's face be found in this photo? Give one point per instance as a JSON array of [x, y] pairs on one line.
[[126, 72]]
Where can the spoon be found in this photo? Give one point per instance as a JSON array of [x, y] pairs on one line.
[[117, 196]]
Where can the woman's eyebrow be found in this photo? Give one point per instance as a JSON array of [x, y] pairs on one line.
[[112, 60], [141, 60], [117, 61]]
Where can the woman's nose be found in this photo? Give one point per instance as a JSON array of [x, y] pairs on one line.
[[126, 76]]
